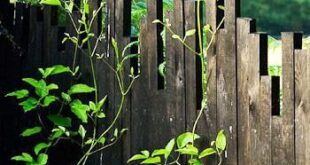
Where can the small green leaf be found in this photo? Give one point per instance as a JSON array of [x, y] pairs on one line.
[[41, 89], [80, 110], [24, 157], [101, 103], [19, 94], [89, 141], [162, 69], [115, 134], [188, 150], [60, 120], [169, 147], [92, 106], [207, 152], [159, 152], [51, 2], [66, 97], [153, 160], [42, 159], [56, 134], [190, 32], [82, 131], [115, 46], [52, 86], [29, 104], [31, 131], [80, 88], [186, 138], [40, 147], [102, 140], [221, 140], [101, 115], [195, 162], [48, 100], [174, 36], [221, 7], [31, 81], [137, 157]]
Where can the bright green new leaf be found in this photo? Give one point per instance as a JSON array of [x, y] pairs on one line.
[[51, 2], [221, 7], [146, 153], [80, 110], [174, 36], [66, 97], [92, 106], [48, 100], [101, 103], [19, 94], [31, 81], [207, 152], [42, 159], [24, 157], [188, 150], [190, 32], [153, 160], [52, 86], [101, 115], [39, 147], [41, 89], [89, 141], [31, 131], [102, 140], [29, 104], [186, 138], [159, 152], [221, 140], [60, 120], [169, 147], [195, 162], [80, 88], [56, 134], [82, 131], [162, 69], [137, 157]]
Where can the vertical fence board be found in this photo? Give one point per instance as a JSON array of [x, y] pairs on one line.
[[302, 116]]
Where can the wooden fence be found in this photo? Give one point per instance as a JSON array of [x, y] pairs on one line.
[[243, 99]]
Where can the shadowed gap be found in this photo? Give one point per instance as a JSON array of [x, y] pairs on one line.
[[160, 44]]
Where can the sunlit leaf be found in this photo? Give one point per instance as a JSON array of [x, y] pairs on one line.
[[31, 131]]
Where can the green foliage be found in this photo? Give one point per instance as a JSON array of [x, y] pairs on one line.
[[278, 15], [31, 131], [185, 146]]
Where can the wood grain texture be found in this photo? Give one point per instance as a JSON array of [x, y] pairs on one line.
[[283, 126], [302, 117]]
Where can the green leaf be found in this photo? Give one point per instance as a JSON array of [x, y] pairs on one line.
[[42, 159], [69, 7], [82, 131], [19, 94], [195, 162], [102, 140], [101, 115], [80, 110], [31, 131], [66, 97], [51, 2], [186, 138], [41, 89], [207, 152], [24, 157], [101, 103], [188, 150], [153, 160], [80, 88], [221, 140], [52, 86], [48, 100], [221, 7], [174, 36], [29, 104], [115, 46], [60, 120], [137, 157], [56, 134], [146, 153], [169, 147], [159, 152], [162, 69], [190, 32], [89, 141], [92, 106], [31, 81], [40, 147]]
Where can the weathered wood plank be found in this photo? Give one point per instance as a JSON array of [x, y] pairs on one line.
[[244, 65], [227, 93], [302, 116], [262, 139], [283, 126]]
